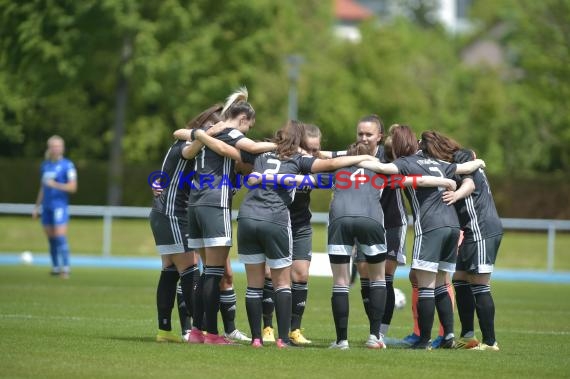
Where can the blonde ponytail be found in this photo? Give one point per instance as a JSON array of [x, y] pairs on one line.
[[239, 95]]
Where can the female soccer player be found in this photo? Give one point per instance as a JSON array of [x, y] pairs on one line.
[[58, 180], [436, 231], [264, 227], [483, 232]]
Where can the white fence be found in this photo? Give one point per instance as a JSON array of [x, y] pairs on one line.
[[108, 212]]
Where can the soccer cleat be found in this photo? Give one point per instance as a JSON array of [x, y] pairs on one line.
[[167, 336], [466, 343], [374, 342], [411, 339], [484, 346], [186, 336], [436, 343], [284, 344], [196, 336], [298, 338], [236, 335], [421, 345], [268, 335], [216, 339], [257, 343], [341, 345], [448, 343]]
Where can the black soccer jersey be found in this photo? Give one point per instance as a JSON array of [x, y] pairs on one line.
[[174, 198], [214, 176], [354, 198], [300, 207], [394, 210], [428, 208], [270, 201], [477, 213]]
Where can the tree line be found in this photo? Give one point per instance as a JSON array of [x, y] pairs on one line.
[[95, 70]]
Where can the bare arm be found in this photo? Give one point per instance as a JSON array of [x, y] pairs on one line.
[[39, 200], [69, 187], [219, 147], [465, 189], [377, 166], [325, 165], [430, 181], [253, 147], [469, 167]]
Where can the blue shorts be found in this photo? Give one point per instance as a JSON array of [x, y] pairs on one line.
[[56, 216]]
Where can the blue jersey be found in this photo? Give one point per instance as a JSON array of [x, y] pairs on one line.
[[62, 171]]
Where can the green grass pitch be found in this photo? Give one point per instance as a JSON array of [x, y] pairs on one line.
[[101, 323]]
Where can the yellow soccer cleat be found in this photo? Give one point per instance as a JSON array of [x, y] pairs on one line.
[[268, 335], [484, 346], [298, 338], [167, 336]]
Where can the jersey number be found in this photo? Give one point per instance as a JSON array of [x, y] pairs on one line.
[[274, 170]]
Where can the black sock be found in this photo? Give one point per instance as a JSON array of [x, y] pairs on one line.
[[377, 305], [198, 304], [228, 309], [268, 303], [188, 287], [426, 310], [365, 294], [444, 306], [390, 300], [465, 305], [485, 307], [183, 311], [299, 292], [165, 294], [254, 309], [340, 304], [211, 297], [283, 312]]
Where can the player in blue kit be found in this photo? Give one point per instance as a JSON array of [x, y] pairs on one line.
[[58, 180]]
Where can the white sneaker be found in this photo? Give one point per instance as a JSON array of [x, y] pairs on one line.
[[236, 335], [186, 336], [342, 345], [375, 343]]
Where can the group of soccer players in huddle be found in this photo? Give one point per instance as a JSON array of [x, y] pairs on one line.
[[447, 191]]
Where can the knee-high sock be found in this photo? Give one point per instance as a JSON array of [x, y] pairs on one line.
[[390, 301], [443, 304], [365, 294], [211, 297], [465, 306], [283, 311], [426, 310], [268, 303], [188, 284], [415, 297], [340, 309], [63, 251], [451, 293], [165, 293], [299, 292], [198, 304], [53, 254], [254, 309], [485, 307], [184, 312], [228, 309], [377, 305]]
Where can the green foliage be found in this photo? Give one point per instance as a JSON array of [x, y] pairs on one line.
[[60, 63]]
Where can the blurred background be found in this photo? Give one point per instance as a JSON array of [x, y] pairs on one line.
[[114, 78]]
